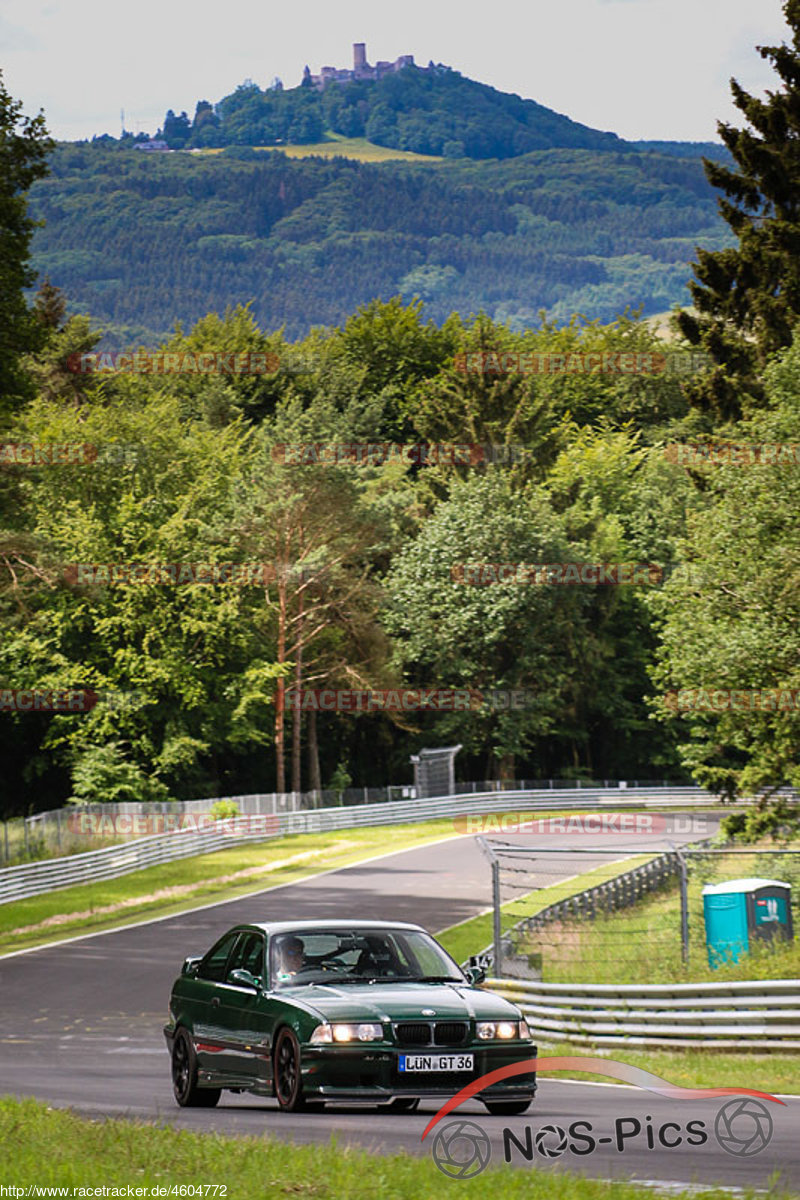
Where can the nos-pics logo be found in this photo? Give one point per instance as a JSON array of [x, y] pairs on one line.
[[461, 1149]]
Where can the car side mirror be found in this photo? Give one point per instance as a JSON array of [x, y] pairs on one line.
[[190, 964], [243, 979], [475, 975]]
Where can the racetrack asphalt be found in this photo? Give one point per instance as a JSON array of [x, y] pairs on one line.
[[81, 1024]]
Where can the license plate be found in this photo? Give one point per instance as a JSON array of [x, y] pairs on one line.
[[436, 1062]]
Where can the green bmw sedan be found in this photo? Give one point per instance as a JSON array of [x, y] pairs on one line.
[[357, 1011]]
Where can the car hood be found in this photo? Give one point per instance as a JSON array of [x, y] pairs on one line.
[[401, 1002]]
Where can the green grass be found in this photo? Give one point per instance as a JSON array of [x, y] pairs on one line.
[[475, 934], [336, 146], [60, 1149], [201, 879], [775, 1073]]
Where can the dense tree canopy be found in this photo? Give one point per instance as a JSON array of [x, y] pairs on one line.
[[144, 240]]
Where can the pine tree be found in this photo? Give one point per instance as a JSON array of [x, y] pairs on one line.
[[747, 297], [24, 146], [50, 305]]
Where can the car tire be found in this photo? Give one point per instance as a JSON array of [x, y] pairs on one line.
[[286, 1071], [184, 1076], [402, 1104], [507, 1108]]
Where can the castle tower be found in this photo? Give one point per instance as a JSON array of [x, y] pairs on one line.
[[359, 56]]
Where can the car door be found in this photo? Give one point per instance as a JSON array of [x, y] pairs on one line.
[[204, 1011], [240, 1009]]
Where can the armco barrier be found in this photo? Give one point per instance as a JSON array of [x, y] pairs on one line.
[[757, 1015], [31, 879]]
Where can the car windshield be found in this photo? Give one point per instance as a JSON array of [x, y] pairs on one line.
[[359, 956]]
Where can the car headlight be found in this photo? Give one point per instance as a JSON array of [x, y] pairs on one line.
[[488, 1030], [363, 1032]]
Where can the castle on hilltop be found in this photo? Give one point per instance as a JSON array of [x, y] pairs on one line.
[[360, 70]]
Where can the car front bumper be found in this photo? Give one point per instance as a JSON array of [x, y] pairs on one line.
[[362, 1072]]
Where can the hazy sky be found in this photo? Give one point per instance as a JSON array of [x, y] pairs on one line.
[[642, 68]]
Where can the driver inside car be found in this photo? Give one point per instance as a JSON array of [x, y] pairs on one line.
[[292, 957]]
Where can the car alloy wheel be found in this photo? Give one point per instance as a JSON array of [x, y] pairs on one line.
[[288, 1084], [184, 1076]]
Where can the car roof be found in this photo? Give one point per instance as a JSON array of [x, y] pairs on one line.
[[344, 923]]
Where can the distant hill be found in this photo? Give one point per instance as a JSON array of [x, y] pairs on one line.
[[309, 201], [433, 110], [144, 240]]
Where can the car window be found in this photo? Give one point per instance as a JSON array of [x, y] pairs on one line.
[[248, 955], [213, 964], [428, 958], [357, 955]]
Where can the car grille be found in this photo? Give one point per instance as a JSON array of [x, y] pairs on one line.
[[414, 1034], [450, 1033], [425, 1033]]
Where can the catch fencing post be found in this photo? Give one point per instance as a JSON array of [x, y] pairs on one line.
[[684, 909], [496, 917]]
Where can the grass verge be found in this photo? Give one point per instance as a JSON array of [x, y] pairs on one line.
[[475, 934], [183, 884], [60, 1149], [775, 1073], [642, 944]]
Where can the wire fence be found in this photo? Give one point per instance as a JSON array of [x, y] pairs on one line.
[[77, 828], [591, 916], [166, 842]]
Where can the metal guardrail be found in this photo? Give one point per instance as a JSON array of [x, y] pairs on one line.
[[31, 879], [620, 892], [752, 1015]]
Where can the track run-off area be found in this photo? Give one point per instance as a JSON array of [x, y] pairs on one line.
[[81, 1022]]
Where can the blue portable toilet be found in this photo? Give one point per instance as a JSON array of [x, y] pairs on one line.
[[742, 911]]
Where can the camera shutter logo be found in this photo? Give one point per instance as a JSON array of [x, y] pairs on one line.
[[743, 1127], [461, 1150], [551, 1141]]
